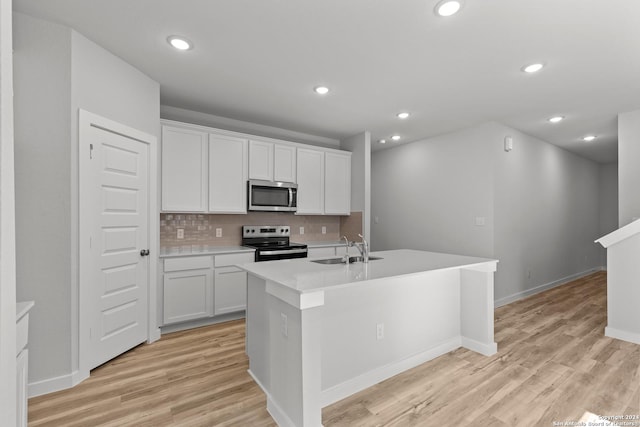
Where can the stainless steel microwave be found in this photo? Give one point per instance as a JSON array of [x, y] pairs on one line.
[[272, 196]]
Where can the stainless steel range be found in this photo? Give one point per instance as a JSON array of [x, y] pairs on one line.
[[272, 242]]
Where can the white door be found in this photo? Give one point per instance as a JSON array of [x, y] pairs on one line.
[[114, 203]]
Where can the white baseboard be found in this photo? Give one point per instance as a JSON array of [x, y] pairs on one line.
[[354, 385], [480, 347], [527, 293], [50, 385], [631, 337], [278, 415], [202, 322]]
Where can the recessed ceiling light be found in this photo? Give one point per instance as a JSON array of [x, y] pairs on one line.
[[382, 141], [448, 7], [589, 138], [533, 68], [403, 115], [396, 137], [321, 90], [556, 119], [179, 43]]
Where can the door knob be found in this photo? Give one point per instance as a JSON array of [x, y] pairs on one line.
[[144, 252]]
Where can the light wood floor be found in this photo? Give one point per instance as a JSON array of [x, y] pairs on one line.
[[553, 364]]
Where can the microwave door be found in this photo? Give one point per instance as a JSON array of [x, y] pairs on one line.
[[269, 198]]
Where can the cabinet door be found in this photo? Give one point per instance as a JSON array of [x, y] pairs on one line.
[[184, 170], [310, 172], [188, 295], [337, 184], [261, 160], [230, 290], [227, 174], [284, 163]]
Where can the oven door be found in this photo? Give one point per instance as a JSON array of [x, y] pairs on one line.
[[272, 196]]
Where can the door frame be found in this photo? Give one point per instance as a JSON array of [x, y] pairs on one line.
[[86, 121]]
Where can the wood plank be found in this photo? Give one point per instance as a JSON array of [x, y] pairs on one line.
[[553, 364]]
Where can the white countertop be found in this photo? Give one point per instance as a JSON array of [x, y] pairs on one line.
[[23, 308], [302, 275], [179, 251], [325, 244]]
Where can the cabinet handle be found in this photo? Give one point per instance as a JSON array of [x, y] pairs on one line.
[[144, 252]]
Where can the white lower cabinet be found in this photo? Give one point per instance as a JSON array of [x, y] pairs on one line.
[[188, 295], [231, 282], [230, 290], [198, 287], [187, 288]]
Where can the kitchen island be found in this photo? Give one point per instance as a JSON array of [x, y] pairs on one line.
[[317, 333]]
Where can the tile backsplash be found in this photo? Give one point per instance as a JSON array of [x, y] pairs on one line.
[[200, 229]]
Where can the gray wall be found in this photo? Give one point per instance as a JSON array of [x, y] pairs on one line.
[[628, 172], [546, 214], [608, 203], [7, 224], [540, 204], [426, 195], [61, 71], [360, 147], [42, 102]]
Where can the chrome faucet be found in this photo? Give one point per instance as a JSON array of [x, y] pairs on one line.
[[363, 247], [345, 258]]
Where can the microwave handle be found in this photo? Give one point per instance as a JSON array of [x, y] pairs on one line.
[[290, 197]]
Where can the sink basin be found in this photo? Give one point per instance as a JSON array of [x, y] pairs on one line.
[[328, 261], [340, 260]]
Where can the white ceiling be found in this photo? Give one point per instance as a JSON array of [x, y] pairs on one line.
[[258, 61]]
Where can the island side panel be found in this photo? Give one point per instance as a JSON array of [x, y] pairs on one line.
[[420, 314], [295, 353], [477, 309], [257, 331]]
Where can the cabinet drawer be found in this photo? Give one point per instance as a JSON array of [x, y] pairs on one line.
[[187, 263], [232, 259]]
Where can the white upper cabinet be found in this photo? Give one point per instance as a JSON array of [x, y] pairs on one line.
[[272, 161], [337, 183], [228, 160], [261, 160], [284, 163], [184, 170], [310, 173]]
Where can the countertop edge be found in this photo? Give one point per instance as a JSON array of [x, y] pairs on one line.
[[22, 308], [221, 251]]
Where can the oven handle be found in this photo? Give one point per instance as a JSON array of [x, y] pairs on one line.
[[284, 252]]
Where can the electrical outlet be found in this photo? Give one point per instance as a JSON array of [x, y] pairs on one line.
[[284, 325], [324, 230], [301, 230], [380, 331], [180, 233], [218, 232], [480, 221]]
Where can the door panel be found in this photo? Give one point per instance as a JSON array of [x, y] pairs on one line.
[[117, 208]]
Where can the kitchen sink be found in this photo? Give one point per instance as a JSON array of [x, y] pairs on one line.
[[341, 261], [328, 261]]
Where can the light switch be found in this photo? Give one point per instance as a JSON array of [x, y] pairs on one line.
[[324, 230], [480, 221]]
